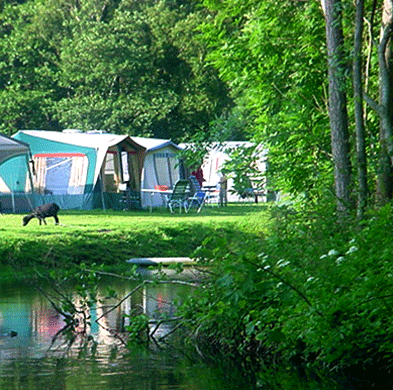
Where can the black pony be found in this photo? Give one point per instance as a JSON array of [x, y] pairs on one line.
[[41, 212]]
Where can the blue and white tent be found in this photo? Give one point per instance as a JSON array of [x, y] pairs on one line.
[[81, 170]]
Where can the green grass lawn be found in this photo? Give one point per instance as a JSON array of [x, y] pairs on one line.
[[111, 237]]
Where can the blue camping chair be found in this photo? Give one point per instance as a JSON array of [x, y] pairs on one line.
[[197, 196], [179, 196]]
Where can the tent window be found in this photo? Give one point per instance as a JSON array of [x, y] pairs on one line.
[[124, 161], [111, 173], [110, 163], [60, 173], [166, 168]]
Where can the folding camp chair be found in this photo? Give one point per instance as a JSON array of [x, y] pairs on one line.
[[197, 195], [179, 196], [197, 200]]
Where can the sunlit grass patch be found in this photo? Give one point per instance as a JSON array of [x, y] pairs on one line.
[[110, 237]]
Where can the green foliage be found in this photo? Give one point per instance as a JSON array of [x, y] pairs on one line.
[[138, 329], [244, 169], [313, 293], [253, 45], [28, 61], [121, 66]]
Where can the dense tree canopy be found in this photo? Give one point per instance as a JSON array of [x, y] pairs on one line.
[[120, 66]]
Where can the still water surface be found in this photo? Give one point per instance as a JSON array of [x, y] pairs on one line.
[[32, 360], [38, 358]]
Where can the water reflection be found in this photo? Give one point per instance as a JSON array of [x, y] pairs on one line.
[[39, 358], [37, 323]]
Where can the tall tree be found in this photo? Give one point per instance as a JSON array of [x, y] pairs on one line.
[[384, 108], [359, 113], [253, 45], [338, 102]]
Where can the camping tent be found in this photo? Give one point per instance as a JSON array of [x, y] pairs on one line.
[[83, 170], [14, 174], [162, 167]]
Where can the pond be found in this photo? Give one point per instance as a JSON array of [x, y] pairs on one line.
[[39, 357], [35, 356]]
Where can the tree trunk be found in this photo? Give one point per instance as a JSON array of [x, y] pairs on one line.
[[338, 104], [385, 182], [359, 114]]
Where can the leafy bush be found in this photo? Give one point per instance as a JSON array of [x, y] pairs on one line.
[[313, 293]]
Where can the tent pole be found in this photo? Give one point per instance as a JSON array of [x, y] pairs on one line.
[[102, 190], [120, 161], [168, 163], [13, 200], [30, 168], [12, 194], [31, 172]]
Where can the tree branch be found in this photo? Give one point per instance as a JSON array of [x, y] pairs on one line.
[[372, 103]]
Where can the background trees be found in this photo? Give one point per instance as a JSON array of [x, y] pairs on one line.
[[122, 66]]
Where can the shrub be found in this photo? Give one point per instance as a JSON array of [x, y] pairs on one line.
[[312, 293]]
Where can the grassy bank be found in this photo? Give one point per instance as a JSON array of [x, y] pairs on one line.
[[110, 237]]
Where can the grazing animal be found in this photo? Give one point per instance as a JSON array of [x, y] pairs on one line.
[[42, 212]]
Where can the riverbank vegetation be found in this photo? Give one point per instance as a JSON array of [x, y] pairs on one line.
[[313, 294]]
